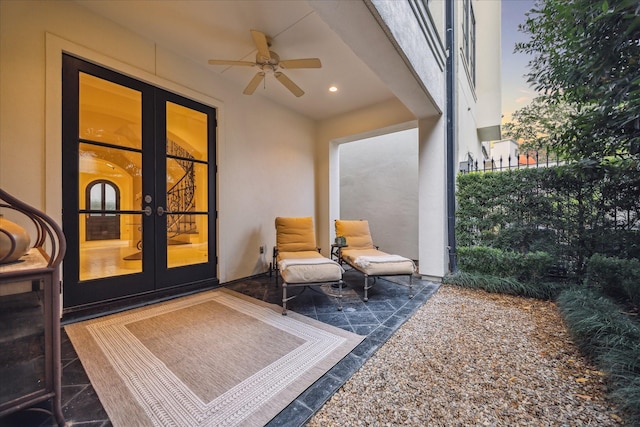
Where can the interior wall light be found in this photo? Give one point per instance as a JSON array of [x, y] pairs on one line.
[[333, 89]]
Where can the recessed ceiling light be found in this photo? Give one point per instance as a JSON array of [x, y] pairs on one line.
[[333, 89]]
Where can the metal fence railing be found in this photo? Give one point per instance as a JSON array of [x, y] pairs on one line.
[[530, 159]]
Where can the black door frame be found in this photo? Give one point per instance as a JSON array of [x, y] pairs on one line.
[[153, 279]]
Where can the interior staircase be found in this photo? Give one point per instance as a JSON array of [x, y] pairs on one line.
[[181, 225]]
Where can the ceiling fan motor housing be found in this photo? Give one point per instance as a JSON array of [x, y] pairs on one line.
[[272, 62]]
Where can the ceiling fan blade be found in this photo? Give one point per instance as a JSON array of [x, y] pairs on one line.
[[286, 82], [227, 62], [301, 63], [260, 40], [253, 84]]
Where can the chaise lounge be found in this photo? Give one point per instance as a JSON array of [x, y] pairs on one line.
[[298, 260], [361, 254]]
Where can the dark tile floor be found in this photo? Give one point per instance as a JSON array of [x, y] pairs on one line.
[[388, 308]]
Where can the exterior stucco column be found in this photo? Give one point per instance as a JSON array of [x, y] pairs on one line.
[[432, 216]]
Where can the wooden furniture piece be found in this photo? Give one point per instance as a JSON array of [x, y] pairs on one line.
[[30, 365]]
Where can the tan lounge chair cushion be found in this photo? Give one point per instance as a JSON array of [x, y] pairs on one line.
[[360, 244], [298, 258], [295, 234], [386, 266], [356, 232], [298, 255], [308, 267]]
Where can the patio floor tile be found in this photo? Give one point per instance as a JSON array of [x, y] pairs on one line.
[[389, 306]]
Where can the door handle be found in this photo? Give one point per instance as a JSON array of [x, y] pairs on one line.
[[148, 211], [160, 211]]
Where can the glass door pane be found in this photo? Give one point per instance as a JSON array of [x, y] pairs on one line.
[[129, 233], [186, 186], [110, 178]]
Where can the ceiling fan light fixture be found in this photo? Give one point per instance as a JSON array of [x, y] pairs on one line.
[[268, 61]]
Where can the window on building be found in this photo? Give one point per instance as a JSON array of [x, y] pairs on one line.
[[103, 196], [469, 40]]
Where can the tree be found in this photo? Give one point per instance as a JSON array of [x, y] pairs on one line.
[[586, 55], [536, 126]]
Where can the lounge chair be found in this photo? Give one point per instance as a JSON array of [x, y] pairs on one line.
[[361, 254], [298, 259]]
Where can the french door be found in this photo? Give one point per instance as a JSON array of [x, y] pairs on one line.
[[158, 150]]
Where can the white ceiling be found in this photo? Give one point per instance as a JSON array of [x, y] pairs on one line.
[[203, 30]]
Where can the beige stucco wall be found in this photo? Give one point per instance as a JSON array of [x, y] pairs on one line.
[[379, 183], [265, 152], [432, 189], [421, 98], [363, 123], [489, 78], [479, 105]]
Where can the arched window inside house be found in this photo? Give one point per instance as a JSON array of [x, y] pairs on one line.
[[102, 199]]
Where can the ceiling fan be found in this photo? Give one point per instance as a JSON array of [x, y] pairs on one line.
[[269, 61]]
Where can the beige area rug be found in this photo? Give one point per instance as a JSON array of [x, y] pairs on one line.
[[217, 358]]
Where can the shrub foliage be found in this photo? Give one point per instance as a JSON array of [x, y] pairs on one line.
[[610, 338], [618, 278], [530, 267], [571, 212], [503, 285]]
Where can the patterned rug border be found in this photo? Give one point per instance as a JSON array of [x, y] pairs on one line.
[[135, 386]]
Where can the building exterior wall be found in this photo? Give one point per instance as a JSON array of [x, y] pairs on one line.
[[261, 146], [409, 58], [489, 63], [416, 29], [505, 151], [432, 181], [265, 152], [478, 103]]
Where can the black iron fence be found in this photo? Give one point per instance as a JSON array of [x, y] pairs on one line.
[[530, 159]]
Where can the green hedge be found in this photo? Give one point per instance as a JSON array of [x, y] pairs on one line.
[[619, 278], [570, 212], [531, 267], [503, 285]]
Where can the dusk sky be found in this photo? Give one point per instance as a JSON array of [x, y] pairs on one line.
[[516, 92]]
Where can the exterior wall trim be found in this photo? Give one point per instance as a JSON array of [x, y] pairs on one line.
[[425, 20], [421, 21]]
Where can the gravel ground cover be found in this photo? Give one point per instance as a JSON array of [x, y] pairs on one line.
[[471, 358]]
